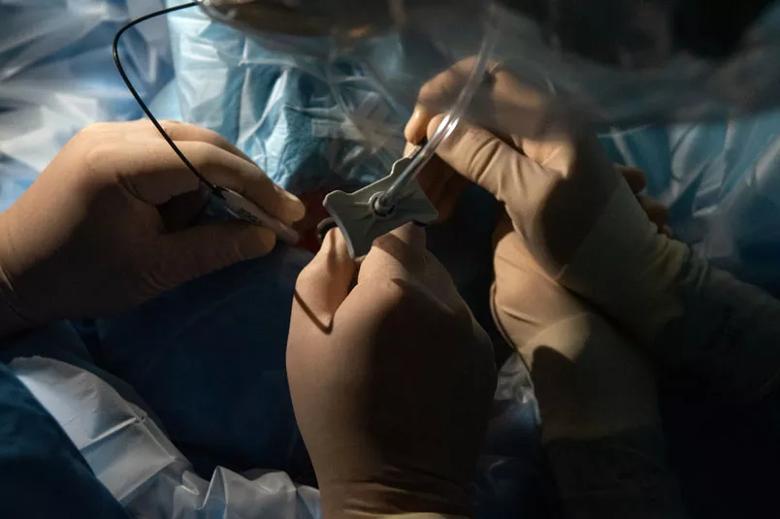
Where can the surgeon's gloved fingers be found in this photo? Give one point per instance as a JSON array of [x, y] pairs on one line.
[[324, 283], [447, 200], [489, 162], [401, 257], [227, 170], [182, 211], [158, 175], [442, 185], [179, 131], [440, 93], [202, 249], [656, 211], [400, 254]]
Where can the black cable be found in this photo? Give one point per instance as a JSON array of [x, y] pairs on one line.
[[215, 189]]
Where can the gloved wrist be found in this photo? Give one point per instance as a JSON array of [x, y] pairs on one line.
[[627, 269], [419, 495]]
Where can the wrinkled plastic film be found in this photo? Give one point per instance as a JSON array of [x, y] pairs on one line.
[[131, 455], [616, 61], [621, 63], [142, 468]]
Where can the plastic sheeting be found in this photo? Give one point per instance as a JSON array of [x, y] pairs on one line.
[[137, 463], [627, 62], [143, 470], [57, 76]]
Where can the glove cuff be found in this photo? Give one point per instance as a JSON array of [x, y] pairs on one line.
[[627, 269]]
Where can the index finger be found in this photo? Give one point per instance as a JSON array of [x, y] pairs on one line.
[[179, 131], [323, 284], [403, 258], [157, 175], [399, 254]]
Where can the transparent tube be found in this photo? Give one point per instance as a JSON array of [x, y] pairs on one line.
[[388, 199]]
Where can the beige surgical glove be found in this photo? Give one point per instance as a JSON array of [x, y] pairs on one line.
[[596, 393], [586, 230], [391, 380], [589, 381], [106, 225]]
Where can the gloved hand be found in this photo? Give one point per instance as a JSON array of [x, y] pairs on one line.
[[585, 229], [588, 379], [596, 393], [391, 379], [106, 225], [577, 217]]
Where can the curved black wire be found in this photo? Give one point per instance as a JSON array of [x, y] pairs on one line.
[[141, 102]]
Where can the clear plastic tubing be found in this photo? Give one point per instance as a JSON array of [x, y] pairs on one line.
[[387, 200]]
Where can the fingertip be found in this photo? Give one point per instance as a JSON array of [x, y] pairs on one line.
[[295, 208], [328, 243], [333, 251], [415, 130], [282, 204], [258, 241], [325, 282], [415, 235], [433, 124], [635, 177], [338, 242]]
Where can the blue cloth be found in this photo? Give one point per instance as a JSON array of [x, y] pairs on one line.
[[302, 127], [209, 359], [42, 474]]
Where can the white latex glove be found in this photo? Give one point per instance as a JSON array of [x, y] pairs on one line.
[[561, 191], [579, 219], [106, 225], [391, 379]]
